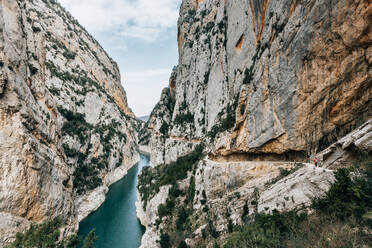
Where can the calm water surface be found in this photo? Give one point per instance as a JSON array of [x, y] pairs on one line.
[[115, 221]]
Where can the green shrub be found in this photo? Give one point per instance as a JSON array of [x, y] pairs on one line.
[[151, 179], [227, 122], [46, 235], [165, 209], [33, 69], [90, 239], [248, 75], [192, 12], [164, 128], [54, 91], [245, 210], [254, 236], [347, 197], [75, 125], [191, 191], [184, 118], [183, 245], [285, 172], [86, 177], [69, 151], [182, 216], [36, 29], [206, 77], [209, 27], [337, 221], [230, 226], [212, 230], [164, 240], [69, 55], [183, 106]]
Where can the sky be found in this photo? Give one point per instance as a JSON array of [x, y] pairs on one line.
[[141, 36]]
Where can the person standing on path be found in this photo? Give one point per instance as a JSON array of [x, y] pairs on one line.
[[316, 161]]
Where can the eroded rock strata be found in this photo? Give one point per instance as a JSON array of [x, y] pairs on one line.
[[263, 85], [268, 77], [66, 131]]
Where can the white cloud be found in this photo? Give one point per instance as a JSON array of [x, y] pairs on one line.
[[144, 19], [148, 85]]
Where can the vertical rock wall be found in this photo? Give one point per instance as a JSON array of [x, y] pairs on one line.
[[271, 77], [66, 130]]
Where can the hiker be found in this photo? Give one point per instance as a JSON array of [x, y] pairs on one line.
[[316, 161]]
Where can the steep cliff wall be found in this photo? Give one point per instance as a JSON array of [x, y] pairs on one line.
[[271, 77], [66, 131], [263, 85]]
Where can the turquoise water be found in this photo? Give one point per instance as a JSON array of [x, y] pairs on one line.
[[115, 221]]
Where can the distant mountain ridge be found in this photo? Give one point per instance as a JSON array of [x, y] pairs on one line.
[[144, 118]]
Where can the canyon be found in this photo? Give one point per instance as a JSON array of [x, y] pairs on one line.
[[261, 88]]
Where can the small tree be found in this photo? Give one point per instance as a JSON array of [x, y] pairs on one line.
[[90, 239], [183, 244], [164, 240]]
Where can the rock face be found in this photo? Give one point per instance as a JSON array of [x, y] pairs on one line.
[[263, 84], [348, 148], [223, 190], [149, 215], [66, 131], [269, 77]]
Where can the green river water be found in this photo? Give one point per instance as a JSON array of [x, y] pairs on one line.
[[115, 222]]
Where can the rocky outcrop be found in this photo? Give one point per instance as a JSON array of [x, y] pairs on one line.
[[225, 188], [228, 192], [270, 77], [66, 130], [148, 215], [263, 84], [350, 148]]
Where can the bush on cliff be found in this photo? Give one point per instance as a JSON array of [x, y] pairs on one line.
[[182, 118], [348, 197], [46, 235], [337, 221], [151, 179]]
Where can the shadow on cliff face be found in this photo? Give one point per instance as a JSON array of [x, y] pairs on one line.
[[298, 156]]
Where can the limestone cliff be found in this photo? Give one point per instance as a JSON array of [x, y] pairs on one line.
[[285, 78], [263, 84], [66, 131]]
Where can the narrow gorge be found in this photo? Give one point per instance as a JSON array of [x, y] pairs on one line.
[[262, 89]]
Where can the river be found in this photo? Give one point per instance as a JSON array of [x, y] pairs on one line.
[[115, 222]]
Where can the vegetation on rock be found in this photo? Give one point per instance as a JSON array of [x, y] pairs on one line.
[[47, 235], [337, 222], [151, 179]]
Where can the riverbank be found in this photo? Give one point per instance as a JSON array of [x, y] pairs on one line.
[[91, 201], [115, 220]]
